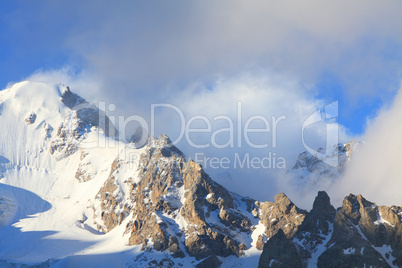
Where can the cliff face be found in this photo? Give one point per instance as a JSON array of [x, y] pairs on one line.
[[359, 234], [281, 215], [368, 234], [175, 206]]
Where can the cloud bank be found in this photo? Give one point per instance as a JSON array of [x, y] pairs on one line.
[[149, 50], [276, 58], [375, 170]]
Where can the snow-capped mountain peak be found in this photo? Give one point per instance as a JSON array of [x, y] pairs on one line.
[[72, 194], [309, 169]]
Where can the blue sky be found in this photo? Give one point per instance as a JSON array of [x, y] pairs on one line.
[[350, 52]]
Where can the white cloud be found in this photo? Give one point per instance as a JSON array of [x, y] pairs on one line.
[[82, 82], [375, 170], [263, 94], [133, 51]]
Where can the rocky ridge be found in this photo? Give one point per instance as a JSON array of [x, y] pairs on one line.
[[81, 117], [174, 206], [171, 205], [359, 234]]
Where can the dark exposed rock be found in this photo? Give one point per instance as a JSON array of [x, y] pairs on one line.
[[71, 99], [335, 256], [143, 261], [198, 185], [30, 119], [279, 252], [158, 177], [349, 236], [174, 247], [355, 229], [320, 217], [209, 262], [311, 232], [316, 227], [198, 247]]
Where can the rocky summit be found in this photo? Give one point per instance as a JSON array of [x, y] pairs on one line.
[[310, 170]]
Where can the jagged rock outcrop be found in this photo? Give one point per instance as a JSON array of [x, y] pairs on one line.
[[359, 227], [311, 230], [175, 207], [112, 211], [357, 235], [159, 175], [281, 215], [69, 98], [31, 118], [310, 169], [316, 228], [174, 191], [76, 124], [79, 120], [320, 217], [112, 206]]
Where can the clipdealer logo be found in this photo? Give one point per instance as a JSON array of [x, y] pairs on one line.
[[222, 131], [238, 134]]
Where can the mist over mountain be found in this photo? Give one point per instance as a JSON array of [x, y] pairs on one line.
[[75, 192]]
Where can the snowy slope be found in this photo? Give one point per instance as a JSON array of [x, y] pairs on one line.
[[53, 163], [42, 202]]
